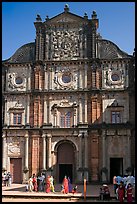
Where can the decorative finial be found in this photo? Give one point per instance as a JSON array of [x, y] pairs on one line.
[[47, 18], [38, 18], [94, 15], [66, 8], [85, 15]]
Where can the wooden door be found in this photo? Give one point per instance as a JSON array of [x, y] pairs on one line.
[[16, 169]]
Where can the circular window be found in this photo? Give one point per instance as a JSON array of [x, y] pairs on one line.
[[18, 80], [115, 77], [66, 77]]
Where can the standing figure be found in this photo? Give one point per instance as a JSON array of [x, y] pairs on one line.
[[115, 184], [30, 184], [65, 184], [6, 179], [48, 184], [43, 182], [74, 189], [9, 179], [129, 193], [51, 184], [69, 185], [34, 181], [62, 189], [121, 192], [27, 186]]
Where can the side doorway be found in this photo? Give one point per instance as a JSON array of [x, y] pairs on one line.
[[116, 168], [16, 170]]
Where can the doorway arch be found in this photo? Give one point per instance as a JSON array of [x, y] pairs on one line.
[[65, 160]]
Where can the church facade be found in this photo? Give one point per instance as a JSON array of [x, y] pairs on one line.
[[68, 104]]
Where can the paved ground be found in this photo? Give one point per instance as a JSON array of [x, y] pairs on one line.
[[17, 193]]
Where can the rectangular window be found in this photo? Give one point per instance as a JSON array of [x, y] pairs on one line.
[[116, 117], [62, 120], [17, 118], [65, 119]]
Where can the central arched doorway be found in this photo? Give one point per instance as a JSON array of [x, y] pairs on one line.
[[65, 160]]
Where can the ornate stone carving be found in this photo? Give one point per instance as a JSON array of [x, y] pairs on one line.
[[114, 77], [17, 105], [13, 83], [66, 45], [14, 148], [64, 79]]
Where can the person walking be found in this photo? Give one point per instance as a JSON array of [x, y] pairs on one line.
[[69, 185], [30, 184], [65, 184], [129, 193], [52, 184], [115, 184], [121, 192], [48, 184], [34, 181]]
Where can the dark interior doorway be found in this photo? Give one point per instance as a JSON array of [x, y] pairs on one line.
[[116, 168], [65, 170]]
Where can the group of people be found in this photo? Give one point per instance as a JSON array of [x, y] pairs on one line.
[[6, 179], [104, 192], [66, 186], [123, 187], [40, 183], [46, 184]]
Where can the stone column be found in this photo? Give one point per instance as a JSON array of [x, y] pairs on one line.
[[80, 78], [86, 151], [85, 46], [4, 153], [29, 78], [129, 149], [28, 109], [45, 78], [45, 110], [50, 79], [80, 150], [40, 79], [40, 45], [85, 77], [104, 148], [37, 45], [81, 50], [103, 154], [10, 118], [58, 118], [80, 110], [49, 150], [55, 118], [86, 108], [46, 46], [50, 116], [5, 114], [36, 79], [75, 115], [26, 150], [44, 151]]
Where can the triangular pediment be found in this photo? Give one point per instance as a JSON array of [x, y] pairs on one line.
[[65, 18]]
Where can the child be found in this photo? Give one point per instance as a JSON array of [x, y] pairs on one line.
[[27, 186], [74, 189], [62, 189]]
